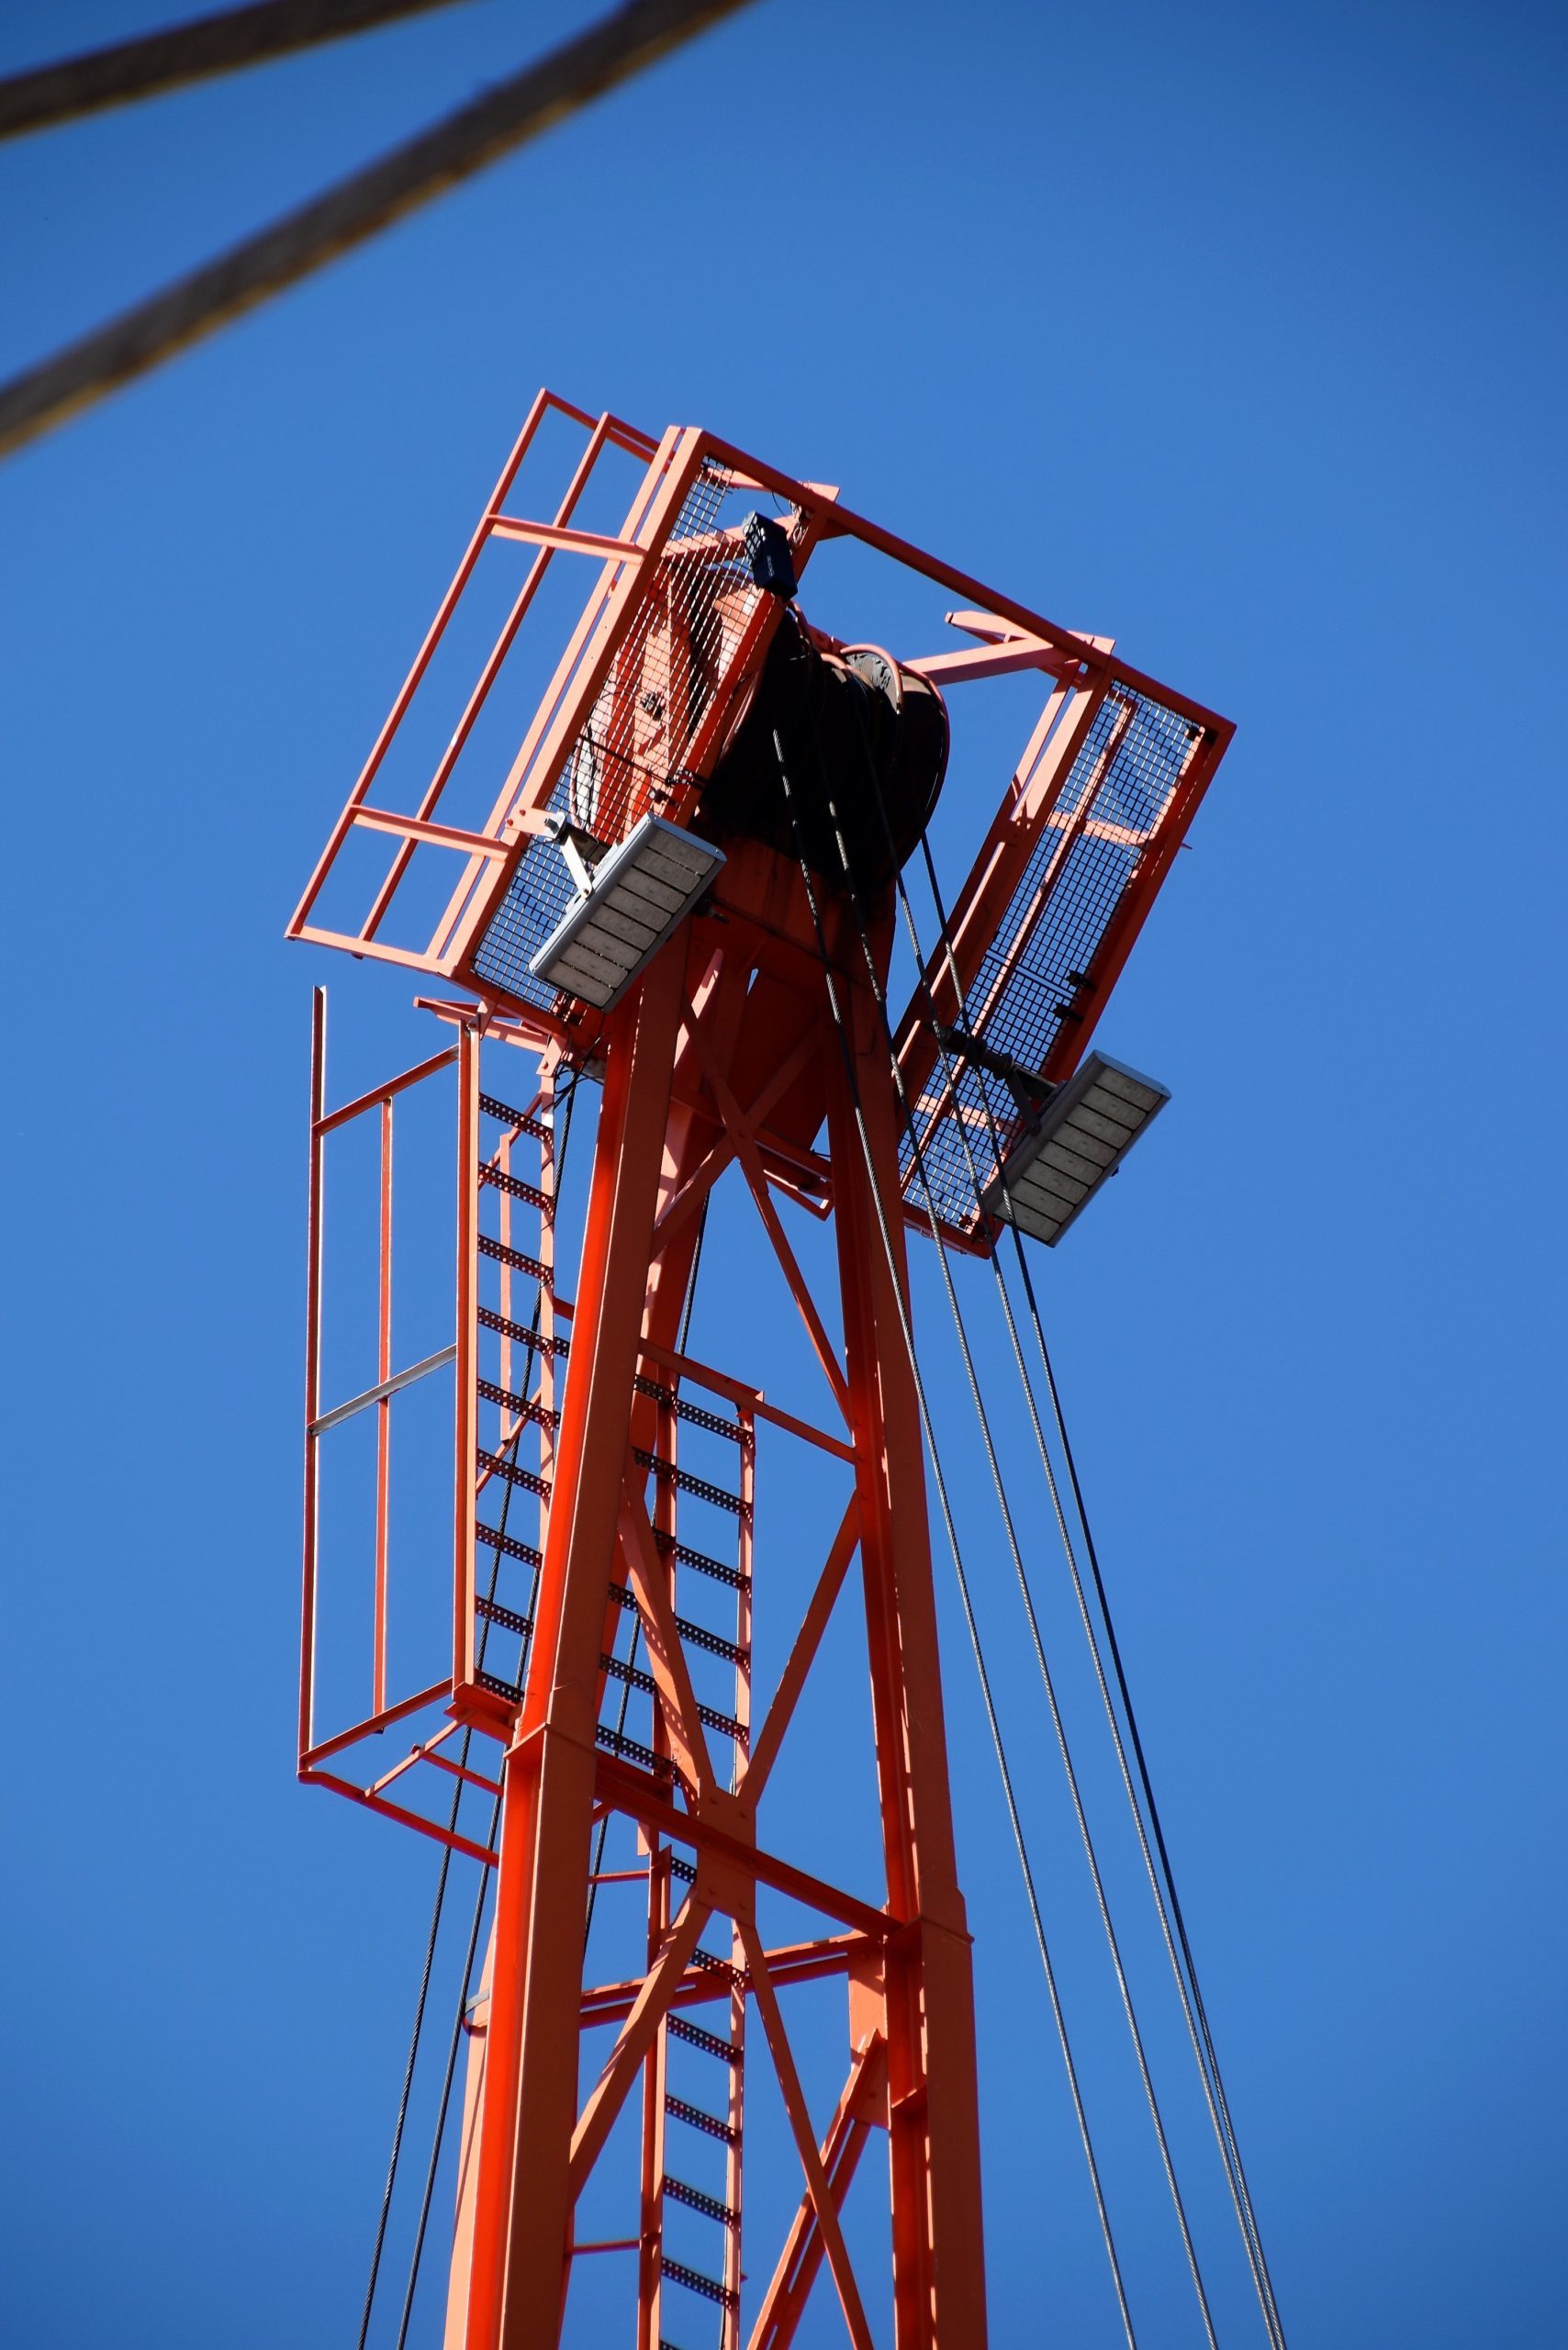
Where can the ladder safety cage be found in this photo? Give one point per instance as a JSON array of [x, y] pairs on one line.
[[501, 1370]]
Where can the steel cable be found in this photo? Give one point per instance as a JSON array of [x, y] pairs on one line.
[[1200, 2037], [453, 2044], [408, 2086], [508, 1448], [1224, 2124], [1163, 1886], [1197, 2023], [928, 1427], [1058, 1724]]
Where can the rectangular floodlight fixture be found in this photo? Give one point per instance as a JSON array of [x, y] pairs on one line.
[[639, 894], [1079, 1137]]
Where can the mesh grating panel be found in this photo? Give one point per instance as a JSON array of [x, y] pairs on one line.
[[630, 758], [539, 894], [1116, 796]]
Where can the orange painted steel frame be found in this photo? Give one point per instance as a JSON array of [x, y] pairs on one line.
[[316, 1751], [729, 1002], [1080, 672], [725, 1055], [732, 1013]]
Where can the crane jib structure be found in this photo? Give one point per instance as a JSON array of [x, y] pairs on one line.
[[635, 883]]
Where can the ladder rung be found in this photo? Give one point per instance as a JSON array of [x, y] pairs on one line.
[[697, 1487], [694, 2282], [540, 1413], [699, 1635], [632, 1750], [515, 1257], [522, 1333], [507, 1617], [714, 1965], [492, 1681], [514, 1187], [632, 1674], [695, 1414], [680, 2112], [534, 1126], [493, 1538], [714, 1642], [713, 2042], [512, 1473], [635, 1678], [701, 1563], [714, 2207]]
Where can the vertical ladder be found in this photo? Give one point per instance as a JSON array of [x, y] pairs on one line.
[[694, 2081], [694, 2076], [517, 1412]]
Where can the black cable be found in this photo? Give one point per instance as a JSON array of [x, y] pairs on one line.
[[509, 1447], [1202, 2042], [1250, 2226], [928, 1427], [880, 996], [1167, 1901], [449, 2076], [408, 2086], [1057, 1723]]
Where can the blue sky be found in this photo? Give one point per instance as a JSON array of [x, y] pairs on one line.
[[1237, 333]]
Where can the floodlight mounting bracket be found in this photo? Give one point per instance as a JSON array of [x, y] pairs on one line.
[[1029, 1089], [582, 851]]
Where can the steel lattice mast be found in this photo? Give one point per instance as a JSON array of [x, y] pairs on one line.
[[648, 900]]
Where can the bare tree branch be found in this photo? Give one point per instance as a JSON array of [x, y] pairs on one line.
[[514, 111], [188, 53]]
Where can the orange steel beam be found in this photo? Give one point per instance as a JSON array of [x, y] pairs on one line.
[[841, 2151], [933, 2125], [823, 2204], [728, 1055], [680, 1056], [523, 2209]]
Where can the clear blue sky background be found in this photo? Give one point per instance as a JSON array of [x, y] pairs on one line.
[[1237, 332]]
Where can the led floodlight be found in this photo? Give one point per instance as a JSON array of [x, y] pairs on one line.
[[1081, 1136], [636, 896]]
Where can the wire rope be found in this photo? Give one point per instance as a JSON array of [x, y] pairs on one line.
[[408, 2086], [928, 1427], [438, 1905], [1058, 1724], [453, 2044], [1163, 1885], [1191, 2006]]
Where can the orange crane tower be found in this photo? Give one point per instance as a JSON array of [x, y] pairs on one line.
[[674, 873]]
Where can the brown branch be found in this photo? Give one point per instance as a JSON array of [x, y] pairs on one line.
[[188, 53], [514, 111]]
